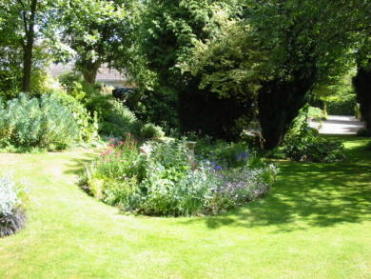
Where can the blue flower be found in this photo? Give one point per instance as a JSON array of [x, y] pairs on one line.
[[242, 156], [218, 168]]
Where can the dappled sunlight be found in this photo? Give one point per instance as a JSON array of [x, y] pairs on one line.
[[308, 195], [76, 165], [313, 210]]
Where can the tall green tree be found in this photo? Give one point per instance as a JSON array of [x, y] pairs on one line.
[[362, 80], [23, 22], [95, 30], [279, 51], [167, 32]]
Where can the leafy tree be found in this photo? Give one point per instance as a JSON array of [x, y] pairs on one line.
[[22, 24], [279, 51], [336, 92], [166, 35], [95, 31], [362, 81]]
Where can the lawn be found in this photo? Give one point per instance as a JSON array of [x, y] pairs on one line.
[[315, 223]]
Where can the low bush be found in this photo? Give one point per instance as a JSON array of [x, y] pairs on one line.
[[114, 117], [117, 121], [87, 124], [38, 122], [306, 145], [315, 113], [12, 216], [165, 179], [77, 87], [151, 131], [158, 107]]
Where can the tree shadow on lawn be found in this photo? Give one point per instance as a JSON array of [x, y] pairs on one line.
[[308, 194], [77, 165]]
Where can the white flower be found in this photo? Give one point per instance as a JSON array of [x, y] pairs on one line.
[[146, 149]]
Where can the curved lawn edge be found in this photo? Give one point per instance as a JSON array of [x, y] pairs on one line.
[[315, 223]]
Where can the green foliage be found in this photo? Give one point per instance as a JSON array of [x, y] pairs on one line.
[[26, 22], [304, 144], [223, 153], [268, 54], [118, 120], [314, 113], [338, 94], [151, 131], [346, 106], [114, 117], [87, 125], [32, 122], [166, 34], [93, 30], [74, 85], [159, 107], [167, 180]]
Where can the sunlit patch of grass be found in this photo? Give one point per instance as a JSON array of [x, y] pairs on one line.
[[315, 223]]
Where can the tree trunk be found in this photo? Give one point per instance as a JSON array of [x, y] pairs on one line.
[[29, 28], [325, 108], [362, 86], [90, 71], [279, 103], [27, 66]]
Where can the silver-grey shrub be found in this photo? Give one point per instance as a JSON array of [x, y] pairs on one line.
[[41, 122], [8, 196], [12, 216]]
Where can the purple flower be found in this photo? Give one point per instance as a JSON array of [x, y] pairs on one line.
[[242, 156], [218, 168]]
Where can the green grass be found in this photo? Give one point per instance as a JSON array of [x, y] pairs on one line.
[[315, 223]]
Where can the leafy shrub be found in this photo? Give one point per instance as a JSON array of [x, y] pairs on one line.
[[315, 113], [343, 107], [165, 179], [11, 212], [199, 110], [39, 82], [32, 122], [74, 84], [118, 120], [306, 145], [159, 107], [88, 125], [115, 118], [151, 131]]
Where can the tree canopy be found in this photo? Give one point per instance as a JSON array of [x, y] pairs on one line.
[[263, 59]]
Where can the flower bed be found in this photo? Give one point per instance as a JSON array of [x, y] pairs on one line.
[[166, 179]]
